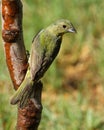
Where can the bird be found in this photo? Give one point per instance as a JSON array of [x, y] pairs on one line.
[[45, 47]]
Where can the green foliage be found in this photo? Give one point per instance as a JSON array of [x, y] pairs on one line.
[[99, 53], [53, 76], [69, 115], [7, 117]]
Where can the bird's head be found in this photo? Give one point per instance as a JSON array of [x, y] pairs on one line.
[[62, 26]]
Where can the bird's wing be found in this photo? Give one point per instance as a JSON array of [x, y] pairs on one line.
[[36, 55]]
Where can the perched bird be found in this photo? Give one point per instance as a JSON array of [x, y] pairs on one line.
[[45, 47]]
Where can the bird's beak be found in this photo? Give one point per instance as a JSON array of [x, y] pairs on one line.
[[72, 29]]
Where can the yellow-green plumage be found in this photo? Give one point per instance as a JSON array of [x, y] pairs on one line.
[[45, 47]]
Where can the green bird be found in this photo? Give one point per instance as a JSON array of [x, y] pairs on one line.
[[45, 47]]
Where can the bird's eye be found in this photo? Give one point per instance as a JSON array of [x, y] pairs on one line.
[[64, 26]]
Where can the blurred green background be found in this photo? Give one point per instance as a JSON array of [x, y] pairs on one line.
[[73, 93]]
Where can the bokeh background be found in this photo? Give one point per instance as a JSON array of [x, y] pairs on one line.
[[73, 93]]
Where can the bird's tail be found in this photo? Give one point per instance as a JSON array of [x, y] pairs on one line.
[[23, 92]]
